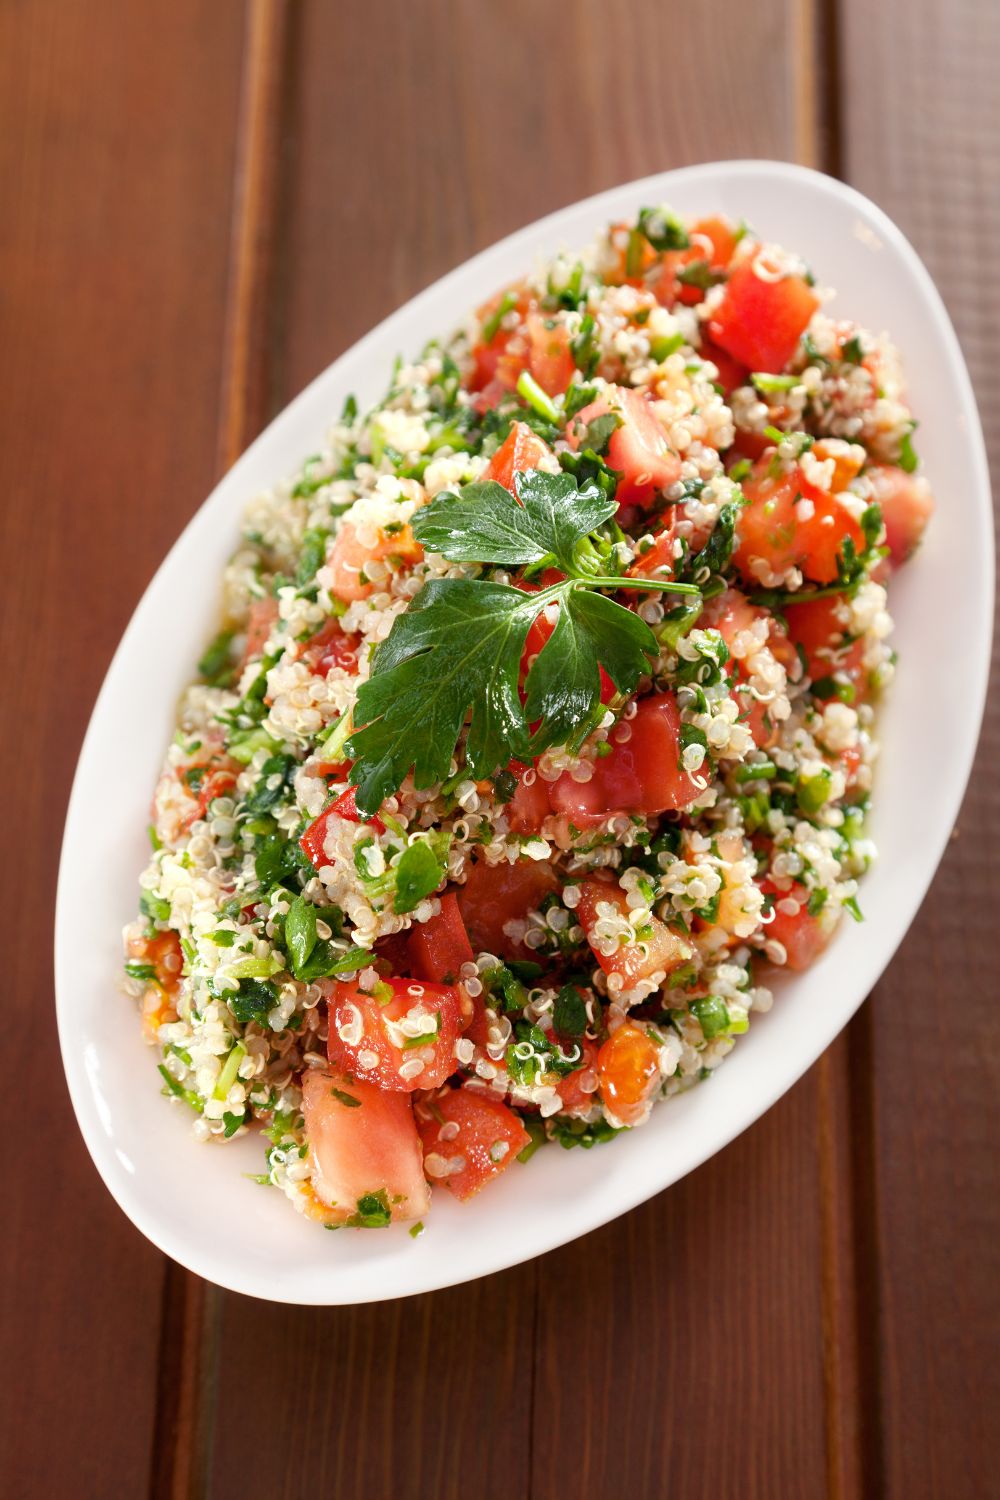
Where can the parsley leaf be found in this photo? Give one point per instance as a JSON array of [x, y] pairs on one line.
[[484, 522], [457, 650], [300, 932], [908, 459], [663, 229], [569, 1014], [253, 1000], [373, 1211], [418, 873], [459, 644]]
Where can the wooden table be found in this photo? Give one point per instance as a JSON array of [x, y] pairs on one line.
[[202, 204]]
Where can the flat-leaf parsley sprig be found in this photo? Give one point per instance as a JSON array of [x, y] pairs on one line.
[[456, 651]]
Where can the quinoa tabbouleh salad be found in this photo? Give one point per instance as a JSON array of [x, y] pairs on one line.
[[540, 729]]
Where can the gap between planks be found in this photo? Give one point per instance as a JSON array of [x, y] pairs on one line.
[[190, 1315], [845, 1098]]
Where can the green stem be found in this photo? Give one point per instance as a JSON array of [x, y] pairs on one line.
[[665, 585], [529, 390]]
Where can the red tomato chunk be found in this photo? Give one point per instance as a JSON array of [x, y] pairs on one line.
[[818, 627], [801, 935], [628, 1070], [730, 613], [487, 1140], [345, 807], [362, 1141], [637, 450], [530, 805], [382, 1036], [520, 450], [762, 316], [331, 648], [437, 949], [660, 951], [906, 504], [577, 1089], [789, 523], [494, 895], [642, 774]]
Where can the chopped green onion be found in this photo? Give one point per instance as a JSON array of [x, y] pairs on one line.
[[530, 391], [230, 1069], [774, 383], [814, 791]]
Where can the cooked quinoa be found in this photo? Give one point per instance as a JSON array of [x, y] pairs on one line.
[[413, 953]]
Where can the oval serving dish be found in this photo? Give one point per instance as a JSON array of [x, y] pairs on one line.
[[195, 1203]]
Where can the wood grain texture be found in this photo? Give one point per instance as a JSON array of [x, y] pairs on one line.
[[921, 127], [117, 138], [609, 1360], [423, 133], [189, 1334], [202, 206]]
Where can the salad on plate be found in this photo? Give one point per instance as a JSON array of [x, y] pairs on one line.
[[540, 728]]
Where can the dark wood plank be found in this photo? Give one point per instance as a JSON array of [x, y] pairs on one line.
[[681, 1347], [704, 1330], [191, 1309], [429, 1396], [117, 133], [422, 134], [920, 117]]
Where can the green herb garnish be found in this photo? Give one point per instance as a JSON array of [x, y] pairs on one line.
[[459, 645]]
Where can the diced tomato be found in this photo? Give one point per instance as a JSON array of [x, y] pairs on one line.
[[331, 647], [789, 523], [730, 920], [848, 460], [661, 556], [907, 505], [207, 775], [628, 1071], [163, 951], [497, 362], [483, 1017], [800, 935], [643, 774], [494, 895], [637, 450], [660, 952], [438, 948], [731, 372], [550, 359], [488, 1139], [851, 761], [391, 954], [217, 783], [520, 450], [367, 1040], [337, 768], [362, 1141], [347, 558], [817, 625], [530, 804], [345, 807], [713, 241], [761, 319], [263, 613], [747, 444], [575, 1097], [731, 613]]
